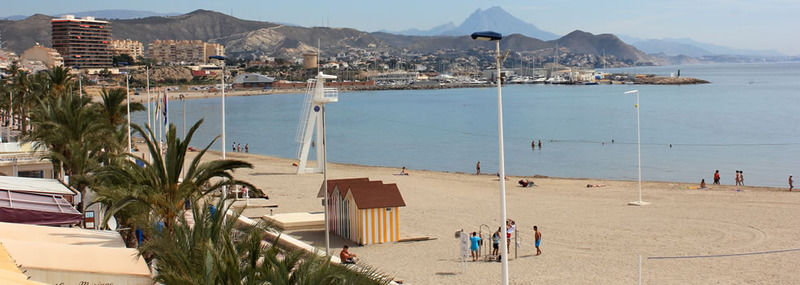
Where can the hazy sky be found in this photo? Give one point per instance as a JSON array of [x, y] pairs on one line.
[[746, 24]]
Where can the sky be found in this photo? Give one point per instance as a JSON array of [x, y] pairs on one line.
[[741, 24]]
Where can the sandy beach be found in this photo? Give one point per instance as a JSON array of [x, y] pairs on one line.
[[589, 235]]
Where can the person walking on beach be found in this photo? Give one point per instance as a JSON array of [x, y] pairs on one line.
[[496, 241], [247, 147], [238, 147], [233, 147], [478, 168], [473, 245], [741, 177], [538, 237], [738, 178], [540, 144], [716, 176], [790, 183]]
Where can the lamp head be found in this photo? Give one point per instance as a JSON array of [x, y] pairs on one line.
[[486, 36], [632, 91]]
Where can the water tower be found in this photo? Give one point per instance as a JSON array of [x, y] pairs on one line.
[[312, 122], [310, 60]]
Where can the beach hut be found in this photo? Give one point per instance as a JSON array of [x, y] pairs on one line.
[[364, 211]]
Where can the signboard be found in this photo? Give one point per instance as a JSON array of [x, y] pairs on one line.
[[88, 220]]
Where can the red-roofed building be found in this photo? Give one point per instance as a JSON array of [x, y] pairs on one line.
[[364, 211]]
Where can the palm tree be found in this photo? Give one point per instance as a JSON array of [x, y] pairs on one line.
[[67, 127], [159, 186], [207, 247], [60, 79], [114, 110], [114, 107]]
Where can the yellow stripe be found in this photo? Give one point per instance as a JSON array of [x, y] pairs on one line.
[[396, 223], [372, 221], [385, 239]]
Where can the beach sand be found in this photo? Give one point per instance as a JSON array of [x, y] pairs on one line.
[[589, 235]]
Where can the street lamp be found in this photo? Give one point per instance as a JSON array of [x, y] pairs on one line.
[[638, 150], [128, 105], [222, 58], [128, 98], [496, 37]]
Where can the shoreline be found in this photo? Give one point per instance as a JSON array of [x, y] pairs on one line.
[[514, 178], [94, 91]]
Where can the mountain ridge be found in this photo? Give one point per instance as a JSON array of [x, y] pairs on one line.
[[253, 39]]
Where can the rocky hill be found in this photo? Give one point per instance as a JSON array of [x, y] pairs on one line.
[[250, 39], [201, 25], [23, 34], [581, 42]]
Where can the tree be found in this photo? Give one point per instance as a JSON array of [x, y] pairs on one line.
[[59, 79], [67, 127], [207, 247], [159, 187], [124, 59]]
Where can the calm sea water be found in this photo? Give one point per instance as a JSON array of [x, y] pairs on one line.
[[747, 119]]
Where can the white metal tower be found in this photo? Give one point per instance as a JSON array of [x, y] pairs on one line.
[[313, 120]]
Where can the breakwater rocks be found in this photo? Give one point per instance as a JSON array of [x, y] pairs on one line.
[[664, 80]]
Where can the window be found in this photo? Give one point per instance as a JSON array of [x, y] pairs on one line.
[[31, 174]]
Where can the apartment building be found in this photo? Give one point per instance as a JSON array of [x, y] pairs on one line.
[[183, 52], [130, 47], [82, 42]]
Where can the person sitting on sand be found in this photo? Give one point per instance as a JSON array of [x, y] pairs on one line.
[[703, 183], [346, 256], [525, 183], [403, 171], [595, 185]]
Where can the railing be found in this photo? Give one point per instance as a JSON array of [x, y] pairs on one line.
[[331, 93]]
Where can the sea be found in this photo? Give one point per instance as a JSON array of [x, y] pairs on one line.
[[747, 119]]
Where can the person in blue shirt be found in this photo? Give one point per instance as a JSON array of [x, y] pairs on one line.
[[473, 245]]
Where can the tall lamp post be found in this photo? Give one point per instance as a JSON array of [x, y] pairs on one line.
[[222, 58], [128, 98], [638, 150], [496, 37]]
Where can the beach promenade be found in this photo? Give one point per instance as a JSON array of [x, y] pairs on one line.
[[589, 235]]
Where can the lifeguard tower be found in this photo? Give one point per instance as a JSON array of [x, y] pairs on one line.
[[312, 119]]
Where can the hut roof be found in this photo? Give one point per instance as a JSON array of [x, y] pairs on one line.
[[368, 194]]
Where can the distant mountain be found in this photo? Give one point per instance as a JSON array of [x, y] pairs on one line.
[[251, 39], [498, 20], [121, 14], [690, 47], [435, 31], [670, 48], [104, 14], [723, 50], [13, 17], [492, 19]]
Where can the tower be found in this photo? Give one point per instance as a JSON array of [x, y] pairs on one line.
[[312, 121], [83, 42]]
